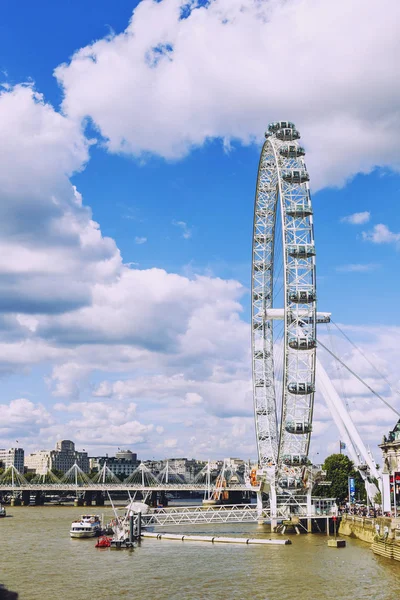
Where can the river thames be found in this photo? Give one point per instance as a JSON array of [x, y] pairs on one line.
[[41, 562]]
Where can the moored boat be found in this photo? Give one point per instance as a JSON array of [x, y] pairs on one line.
[[87, 526], [103, 542], [2, 511]]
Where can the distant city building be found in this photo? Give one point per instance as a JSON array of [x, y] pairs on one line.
[[12, 457], [126, 455], [123, 463], [61, 459], [185, 468], [65, 446], [236, 464], [39, 462]]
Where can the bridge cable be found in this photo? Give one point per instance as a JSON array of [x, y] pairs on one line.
[[366, 358], [359, 379]]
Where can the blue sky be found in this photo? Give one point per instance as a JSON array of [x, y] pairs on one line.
[[166, 158]]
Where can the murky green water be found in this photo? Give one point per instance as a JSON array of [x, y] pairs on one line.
[[40, 561]]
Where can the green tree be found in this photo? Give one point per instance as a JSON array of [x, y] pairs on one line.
[[338, 469]]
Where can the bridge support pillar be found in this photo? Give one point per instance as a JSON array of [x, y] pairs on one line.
[[309, 510], [78, 501], [26, 498], [99, 500], [260, 508], [39, 499], [163, 498], [153, 501], [87, 499], [273, 507]]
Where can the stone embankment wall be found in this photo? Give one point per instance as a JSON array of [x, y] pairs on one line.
[[383, 533], [363, 528]]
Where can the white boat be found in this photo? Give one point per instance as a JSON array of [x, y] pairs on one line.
[[2, 511], [87, 526]]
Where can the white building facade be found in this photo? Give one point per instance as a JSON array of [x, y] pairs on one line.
[[12, 457], [61, 459]]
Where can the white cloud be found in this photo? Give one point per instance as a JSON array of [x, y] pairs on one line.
[[22, 418], [186, 231], [157, 87], [358, 268], [140, 240], [381, 234], [51, 251], [171, 443], [358, 218]]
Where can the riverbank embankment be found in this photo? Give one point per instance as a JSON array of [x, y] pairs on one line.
[[383, 533]]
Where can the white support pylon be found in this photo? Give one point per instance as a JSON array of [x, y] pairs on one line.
[[347, 429]]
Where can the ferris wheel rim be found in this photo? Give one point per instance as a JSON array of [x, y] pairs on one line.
[[308, 386]]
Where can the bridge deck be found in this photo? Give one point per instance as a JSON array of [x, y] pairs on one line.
[[120, 487]]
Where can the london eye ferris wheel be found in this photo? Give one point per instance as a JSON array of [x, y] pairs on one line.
[[283, 308]]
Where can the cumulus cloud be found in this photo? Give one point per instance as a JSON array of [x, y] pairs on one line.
[[381, 234], [172, 80], [51, 251], [22, 418], [358, 218]]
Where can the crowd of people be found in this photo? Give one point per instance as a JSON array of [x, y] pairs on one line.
[[362, 510]]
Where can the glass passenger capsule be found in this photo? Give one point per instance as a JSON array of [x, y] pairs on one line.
[[290, 482], [296, 176], [294, 460], [287, 135], [260, 296], [262, 412], [298, 427], [301, 389], [261, 238], [301, 250], [291, 151], [262, 354], [302, 296], [273, 127], [261, 266], [262, 383], [261, 212], [302, 343], [299, 211]]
